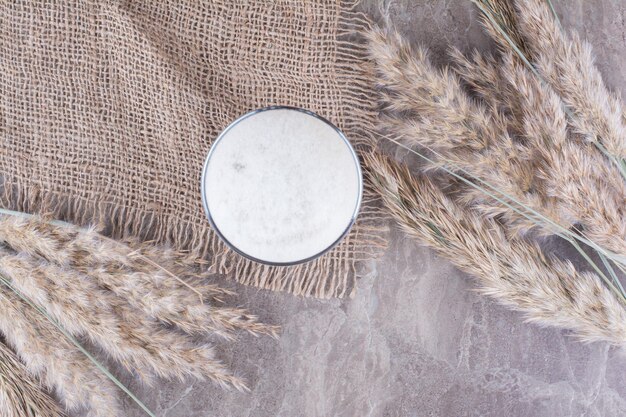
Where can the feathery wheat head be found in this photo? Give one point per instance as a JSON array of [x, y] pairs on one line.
[[437, 114], [505, 16], [127, 335], [135, 301], [567, 63], [512, 270], [58, 364], [513, 162], [20, 394], [564, 62], [531, 159], [122, 269]]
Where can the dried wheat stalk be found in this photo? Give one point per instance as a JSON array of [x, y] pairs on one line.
[[428, 107], [516, 159], [525, 153], [567, 63], [20, 394], [514, 271], [128, 299], [483, 76], [58, 364], [123, 269], [128, 336], [563, 65], [505, 16]]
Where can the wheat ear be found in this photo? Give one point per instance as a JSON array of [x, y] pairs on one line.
[[20, 394], [134, 340], [50, 357], [567, 63], [118, 267], [515, 272], [430, 110]]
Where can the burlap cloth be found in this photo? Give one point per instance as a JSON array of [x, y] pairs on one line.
[[108, 109]]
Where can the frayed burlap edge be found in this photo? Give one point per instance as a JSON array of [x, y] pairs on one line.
[[332, 275]]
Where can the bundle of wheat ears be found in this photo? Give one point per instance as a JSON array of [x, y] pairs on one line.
[[141, 305], [527, 144]]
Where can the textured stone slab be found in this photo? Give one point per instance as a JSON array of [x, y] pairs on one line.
[[416, 341]]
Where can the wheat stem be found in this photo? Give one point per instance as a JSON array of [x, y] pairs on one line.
[[609, 267]]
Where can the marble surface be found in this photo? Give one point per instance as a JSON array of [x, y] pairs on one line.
[[416, 340]]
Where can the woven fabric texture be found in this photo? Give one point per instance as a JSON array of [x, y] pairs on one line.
[[108, 109]]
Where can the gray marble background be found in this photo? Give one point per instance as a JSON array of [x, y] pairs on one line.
[[416, 340]]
